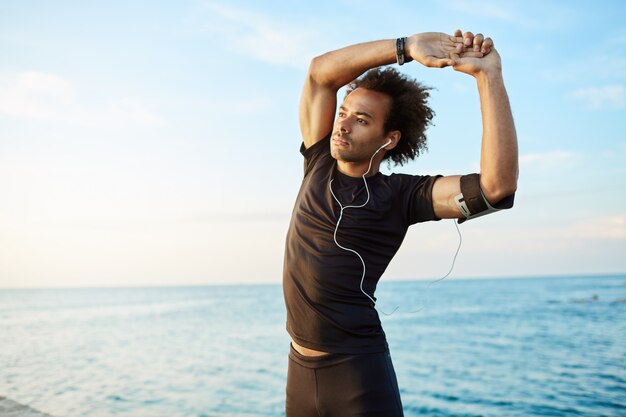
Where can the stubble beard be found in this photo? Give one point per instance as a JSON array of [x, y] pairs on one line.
[[350, 155]]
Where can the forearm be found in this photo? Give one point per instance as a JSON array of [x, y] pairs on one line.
[[499, 153], [327, 74], [337, 68]]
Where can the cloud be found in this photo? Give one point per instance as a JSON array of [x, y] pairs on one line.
[[607, 97], [486, 9], [251, 104], [255, 34], [516, 13], [546, 157], [43, 96], [615, 157], [611, 227], [608, 66], [34, 95]]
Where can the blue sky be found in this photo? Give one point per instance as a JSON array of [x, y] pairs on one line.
[[156, 143]]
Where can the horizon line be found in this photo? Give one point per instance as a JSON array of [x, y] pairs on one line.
[[396, 280]]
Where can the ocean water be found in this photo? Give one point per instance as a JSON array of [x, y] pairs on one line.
[[497, 347]]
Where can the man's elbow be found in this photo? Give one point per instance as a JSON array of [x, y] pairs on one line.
[[320, 71], [495, 191]]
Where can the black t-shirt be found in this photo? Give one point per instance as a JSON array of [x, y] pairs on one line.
[[326, 309]]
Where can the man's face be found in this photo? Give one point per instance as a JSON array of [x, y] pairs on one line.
[[359, 127]]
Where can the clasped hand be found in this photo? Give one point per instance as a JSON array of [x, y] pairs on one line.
[[465, 52]]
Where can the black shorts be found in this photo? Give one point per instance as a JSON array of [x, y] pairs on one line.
[[340, 385]]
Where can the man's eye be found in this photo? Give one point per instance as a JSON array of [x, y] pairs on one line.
[[362, 121]]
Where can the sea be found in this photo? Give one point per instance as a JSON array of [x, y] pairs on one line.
[[542, 346]]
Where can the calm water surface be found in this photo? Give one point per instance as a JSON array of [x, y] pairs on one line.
[[498, 347]]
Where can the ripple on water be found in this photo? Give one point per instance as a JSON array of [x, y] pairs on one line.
[[484, 348]]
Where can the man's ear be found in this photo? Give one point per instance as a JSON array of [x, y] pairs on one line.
[[394, 136]]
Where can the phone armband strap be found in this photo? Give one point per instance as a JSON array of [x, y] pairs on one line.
[[472, 202]]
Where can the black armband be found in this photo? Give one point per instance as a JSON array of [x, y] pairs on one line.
[[472, 202]]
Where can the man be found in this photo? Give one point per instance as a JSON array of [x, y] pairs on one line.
[[349, 219]]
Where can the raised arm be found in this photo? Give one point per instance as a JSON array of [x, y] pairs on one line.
[[327, 74], [499, 153], [331, 71]]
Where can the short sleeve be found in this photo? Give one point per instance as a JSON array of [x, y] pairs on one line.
[[421, 199], [315, 152]]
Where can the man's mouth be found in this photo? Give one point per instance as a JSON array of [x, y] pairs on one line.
[[339, 140]]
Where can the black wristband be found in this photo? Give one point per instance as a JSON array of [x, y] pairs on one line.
[[400, 50]]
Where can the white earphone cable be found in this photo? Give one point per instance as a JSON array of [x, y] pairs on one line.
[[342, 207]]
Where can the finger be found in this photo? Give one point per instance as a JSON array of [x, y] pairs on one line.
[[468, 38], [463, 63], [486, 46], [478, 41], [454, 58], [457, 37], [462, 48], [472, 54], [438, 62]]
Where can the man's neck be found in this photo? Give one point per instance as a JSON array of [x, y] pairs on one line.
[[357, 169]]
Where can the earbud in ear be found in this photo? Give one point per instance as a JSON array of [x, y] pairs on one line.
[[388, 142]]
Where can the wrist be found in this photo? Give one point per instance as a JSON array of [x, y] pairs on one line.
[[488, 79], [400, 51], [489, 74], [402, 56], [409, 47]]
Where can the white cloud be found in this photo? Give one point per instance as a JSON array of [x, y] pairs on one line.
[[41, 83], [607, 66], [43, 96], [517, 13], [251, 104], [615, 157], [611, 227], [563, 236], [487, 9], [546, 157], [34, 95], [255, 34], [610, 96]]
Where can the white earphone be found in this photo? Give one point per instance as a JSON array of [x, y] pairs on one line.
[[342, 207]]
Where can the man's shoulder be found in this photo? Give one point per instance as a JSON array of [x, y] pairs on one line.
[[316, 155], [401, 179], [410, 185], [321, 146]]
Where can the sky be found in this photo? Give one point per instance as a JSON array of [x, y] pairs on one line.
[[156, 143]]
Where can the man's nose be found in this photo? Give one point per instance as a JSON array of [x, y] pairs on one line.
[[344, 126]]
